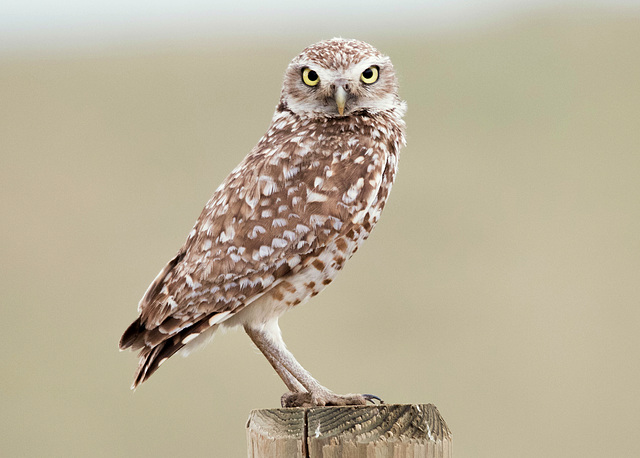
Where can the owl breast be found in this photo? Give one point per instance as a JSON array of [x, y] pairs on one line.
[[343, 180]]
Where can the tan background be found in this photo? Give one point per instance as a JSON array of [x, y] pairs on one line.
[[502, 284]]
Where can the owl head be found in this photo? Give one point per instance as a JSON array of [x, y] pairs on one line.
[[339, 78]]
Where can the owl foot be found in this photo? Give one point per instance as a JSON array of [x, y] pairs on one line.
[[372, 398], [328, 398]]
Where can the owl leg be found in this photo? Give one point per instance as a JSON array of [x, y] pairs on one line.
[[269, 341], [292, 383]]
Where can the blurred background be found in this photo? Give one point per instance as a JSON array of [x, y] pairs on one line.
[[502, 283]]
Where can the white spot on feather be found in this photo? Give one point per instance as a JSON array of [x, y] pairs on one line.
[[317, 220], [278, 243], [190, 337], [228, 234], [265, 251], [251, 201], [290, 173], [289, 235], [302, 229], [218, 317], [316, 197], [337, 224], [353, 191], [293, 261], [269, 186], [256, 230]]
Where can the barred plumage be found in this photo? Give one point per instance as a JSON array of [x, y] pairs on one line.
[[282, 224]]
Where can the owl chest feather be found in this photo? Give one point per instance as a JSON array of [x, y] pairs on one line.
[[354, 170]]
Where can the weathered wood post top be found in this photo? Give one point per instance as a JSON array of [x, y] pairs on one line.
[[380, 431]]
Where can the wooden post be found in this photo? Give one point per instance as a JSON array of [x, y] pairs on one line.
[[379, 431]]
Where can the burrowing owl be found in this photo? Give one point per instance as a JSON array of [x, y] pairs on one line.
[[286, 219]]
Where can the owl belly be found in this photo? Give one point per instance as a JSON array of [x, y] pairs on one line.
[[315, 274]]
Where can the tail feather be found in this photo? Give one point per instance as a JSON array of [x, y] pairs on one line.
[[131, 335], [152, 356]]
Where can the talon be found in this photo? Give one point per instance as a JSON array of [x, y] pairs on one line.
[[371, 397], [292, 399]]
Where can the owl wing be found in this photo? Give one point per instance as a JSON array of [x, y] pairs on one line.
[[270, 218]]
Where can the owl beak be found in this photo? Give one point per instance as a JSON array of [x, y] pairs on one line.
[[341, 99]]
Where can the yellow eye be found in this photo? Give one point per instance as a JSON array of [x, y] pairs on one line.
[[309, 77], [370, 75]]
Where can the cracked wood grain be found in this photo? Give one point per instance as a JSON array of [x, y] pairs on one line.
[[381, 431]]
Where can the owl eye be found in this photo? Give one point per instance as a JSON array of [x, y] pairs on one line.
[[370, 75], [309, 77]]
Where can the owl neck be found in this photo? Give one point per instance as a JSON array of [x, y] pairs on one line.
[[393, 115], [386, 125]]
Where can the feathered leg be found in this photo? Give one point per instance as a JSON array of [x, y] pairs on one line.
[[269, 341], [292, 383]]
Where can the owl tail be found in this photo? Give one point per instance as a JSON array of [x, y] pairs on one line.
[[158, 344], [152, 357]]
